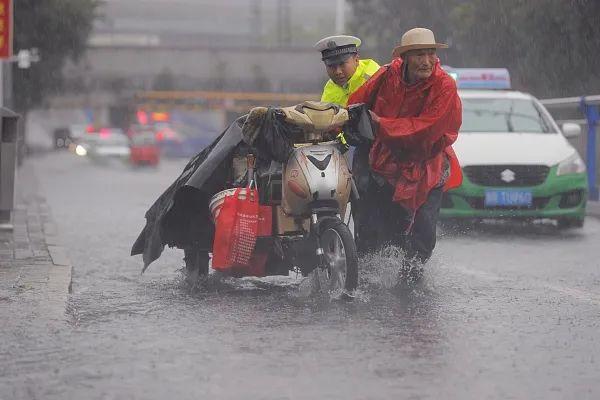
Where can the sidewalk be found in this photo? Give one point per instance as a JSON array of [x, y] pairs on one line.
[[35, 273]]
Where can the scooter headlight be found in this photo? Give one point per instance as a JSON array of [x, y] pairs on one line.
[[571, 165]]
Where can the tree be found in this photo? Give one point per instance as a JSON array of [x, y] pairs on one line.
[[381, 23], [59, 29], [551, 47]]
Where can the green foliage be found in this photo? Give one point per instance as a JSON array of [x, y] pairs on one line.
[[551, 47], [59, 29], [381, 23]]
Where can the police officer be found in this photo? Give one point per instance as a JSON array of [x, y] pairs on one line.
[[347, 72]]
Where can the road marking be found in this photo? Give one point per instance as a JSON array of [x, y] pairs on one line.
[[577, 294], [580, 295]]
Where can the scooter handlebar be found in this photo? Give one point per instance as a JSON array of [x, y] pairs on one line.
[[359, 128]]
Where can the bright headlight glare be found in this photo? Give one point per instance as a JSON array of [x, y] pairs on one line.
[[80, 150], [571, 165]]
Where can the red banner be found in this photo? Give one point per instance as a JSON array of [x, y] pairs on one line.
[[6, 28]]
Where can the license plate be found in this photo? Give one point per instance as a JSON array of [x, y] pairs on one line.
[[508, 198]]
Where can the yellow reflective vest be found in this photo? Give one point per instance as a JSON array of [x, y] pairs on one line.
[[333, 93]]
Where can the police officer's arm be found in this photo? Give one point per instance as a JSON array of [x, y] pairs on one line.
[[329, 93]]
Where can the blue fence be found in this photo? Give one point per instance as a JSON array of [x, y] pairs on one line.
[[588, 106], [593, 117]]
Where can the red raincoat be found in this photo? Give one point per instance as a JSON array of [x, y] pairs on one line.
[[417, 125]]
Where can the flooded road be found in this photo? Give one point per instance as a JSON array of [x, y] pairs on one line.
[[503, 312]]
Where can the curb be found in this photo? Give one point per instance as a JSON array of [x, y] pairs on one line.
[[60, 280], [60, 275], [59, 284]]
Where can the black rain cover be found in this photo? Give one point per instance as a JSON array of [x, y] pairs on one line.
[[180, 216]]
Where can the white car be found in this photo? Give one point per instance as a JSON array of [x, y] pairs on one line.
[[107, 143], [515, 159]]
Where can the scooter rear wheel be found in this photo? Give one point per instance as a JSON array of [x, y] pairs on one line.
[[340, 257]]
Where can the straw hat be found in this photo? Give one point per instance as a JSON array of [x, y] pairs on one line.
[[417, 38]]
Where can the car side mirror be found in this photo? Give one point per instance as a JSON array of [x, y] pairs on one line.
[[571, 130]]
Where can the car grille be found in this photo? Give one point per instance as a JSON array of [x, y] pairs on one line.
[[507, 175]]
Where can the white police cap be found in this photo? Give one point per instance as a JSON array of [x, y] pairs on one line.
[[337, 49]]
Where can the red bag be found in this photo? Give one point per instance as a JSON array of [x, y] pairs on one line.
[[265, 221], [259, 258], [236, 231]]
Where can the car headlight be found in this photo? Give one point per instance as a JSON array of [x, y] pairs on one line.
[[80, 150], [571, 165]]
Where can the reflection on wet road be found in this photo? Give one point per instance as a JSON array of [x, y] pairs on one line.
[[503, 312]]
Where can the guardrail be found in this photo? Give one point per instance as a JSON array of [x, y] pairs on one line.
[[588, 105]]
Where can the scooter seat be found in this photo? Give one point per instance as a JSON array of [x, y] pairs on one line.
[[316, 116]]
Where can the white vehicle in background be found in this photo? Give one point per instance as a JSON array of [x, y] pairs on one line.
[[104, 145], [516, 161]]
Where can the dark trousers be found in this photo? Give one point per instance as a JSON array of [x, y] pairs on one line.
[[379, 222]]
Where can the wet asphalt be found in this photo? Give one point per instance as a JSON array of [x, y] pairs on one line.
[[505, 311]]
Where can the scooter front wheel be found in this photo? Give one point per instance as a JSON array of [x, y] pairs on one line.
[[340, 272]]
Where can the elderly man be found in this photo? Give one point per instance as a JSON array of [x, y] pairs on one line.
[[416, 113], [347, 72]]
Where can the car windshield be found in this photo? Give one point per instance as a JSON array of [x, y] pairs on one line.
[[503, 115]]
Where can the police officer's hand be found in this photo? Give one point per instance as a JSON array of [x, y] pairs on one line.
[[342, 142]]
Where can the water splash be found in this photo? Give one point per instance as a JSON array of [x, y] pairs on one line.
[[380, 268], [218, 282]]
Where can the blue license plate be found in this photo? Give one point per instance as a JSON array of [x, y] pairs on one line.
[[508, 198]]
